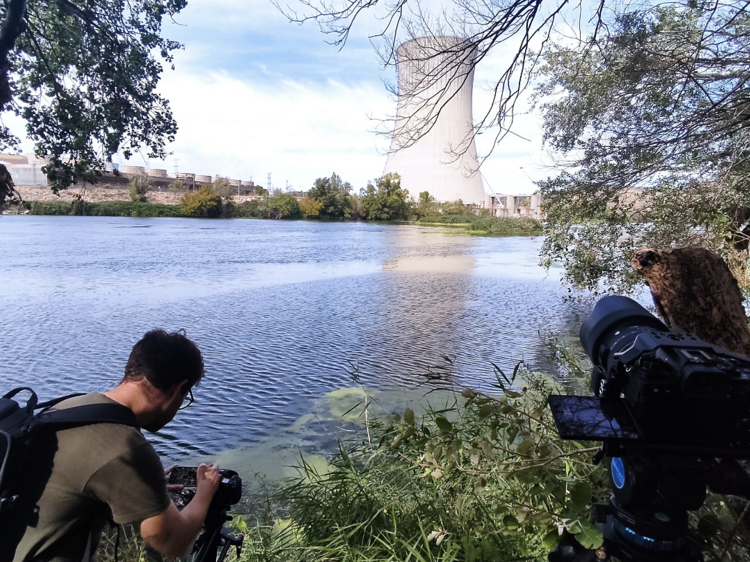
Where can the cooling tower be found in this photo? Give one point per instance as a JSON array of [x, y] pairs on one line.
[[434, 121]]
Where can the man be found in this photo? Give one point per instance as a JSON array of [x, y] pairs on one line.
[[83, 476]]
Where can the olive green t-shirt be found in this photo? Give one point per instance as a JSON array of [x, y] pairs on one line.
[[97, 470]]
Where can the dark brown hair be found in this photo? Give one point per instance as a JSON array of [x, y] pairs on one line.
[[165, 360]]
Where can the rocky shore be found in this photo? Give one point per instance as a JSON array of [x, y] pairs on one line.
[[97, 194]]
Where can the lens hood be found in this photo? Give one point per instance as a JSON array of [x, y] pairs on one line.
[[611, 313]]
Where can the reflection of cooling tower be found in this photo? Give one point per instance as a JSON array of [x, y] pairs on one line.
[[434, 121]]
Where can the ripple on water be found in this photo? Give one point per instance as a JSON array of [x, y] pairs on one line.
[[283, 312]]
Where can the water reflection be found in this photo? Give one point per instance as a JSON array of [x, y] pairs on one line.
[[281, 311]]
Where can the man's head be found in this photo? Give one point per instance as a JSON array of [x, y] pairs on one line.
[[167, 366]]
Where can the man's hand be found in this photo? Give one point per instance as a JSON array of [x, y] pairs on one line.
[[173, 532], [208, 479]]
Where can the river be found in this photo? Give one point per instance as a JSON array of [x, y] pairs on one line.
[[286, 314]]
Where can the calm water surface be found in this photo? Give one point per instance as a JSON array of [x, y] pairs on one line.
[[281, 311]]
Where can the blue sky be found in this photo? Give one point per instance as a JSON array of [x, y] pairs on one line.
[[255, 94]]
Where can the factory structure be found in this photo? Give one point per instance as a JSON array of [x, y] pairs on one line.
[[27, 170], [433, 147]]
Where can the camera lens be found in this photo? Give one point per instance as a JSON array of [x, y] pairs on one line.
[[610, 316]]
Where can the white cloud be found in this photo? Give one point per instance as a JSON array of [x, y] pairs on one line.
[[295, 130]]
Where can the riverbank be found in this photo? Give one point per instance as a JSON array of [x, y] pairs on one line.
[[115, 202]]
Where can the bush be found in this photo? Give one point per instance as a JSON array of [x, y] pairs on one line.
[[138, 187], [105, 209], [310, 207], [201, 203], [222, 188], [176, 185], [283, 206], [494, 226], [385, 201]]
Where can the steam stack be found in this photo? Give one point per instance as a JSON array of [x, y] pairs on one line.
[[433, 148]]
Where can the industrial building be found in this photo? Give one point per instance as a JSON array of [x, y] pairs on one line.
[[433, 147], [27, 170]]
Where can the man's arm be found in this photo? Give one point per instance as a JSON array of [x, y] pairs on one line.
[[172, 532]]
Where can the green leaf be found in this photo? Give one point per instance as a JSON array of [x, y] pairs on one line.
[[551, 539], [589, 537], [708, 525], [409, 416], [524, 447], [510, 522], [443, 424], [580, 494], [486, 410]]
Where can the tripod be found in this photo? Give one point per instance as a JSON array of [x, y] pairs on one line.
[[214, 542], [646, 519]]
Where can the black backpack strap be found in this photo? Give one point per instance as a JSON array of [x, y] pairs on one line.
[[56, 401], [87, 415], [31, 403]]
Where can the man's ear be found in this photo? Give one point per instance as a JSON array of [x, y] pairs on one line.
[[184, 386]]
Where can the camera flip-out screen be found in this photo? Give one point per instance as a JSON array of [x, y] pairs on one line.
[[581, 418]]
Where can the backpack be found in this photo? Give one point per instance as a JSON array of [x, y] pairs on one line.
[[20, 427]]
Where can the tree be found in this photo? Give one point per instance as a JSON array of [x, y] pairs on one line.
[[479, 26], [202, 203], [333, 195], [260, 191], [138, 187], [651, 125], [221, 187], [284, 206], [83, 76], [385, 201], [177, 185], [453, 208], [310, 207], [426, 205]]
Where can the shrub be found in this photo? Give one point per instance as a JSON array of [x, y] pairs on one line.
[[283, 206], [176, 185], [222, 188], [385, 200], [310, 207], [138, 187], [202, 203]]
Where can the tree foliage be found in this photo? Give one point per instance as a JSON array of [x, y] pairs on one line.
[[651, 125], [138, 187], [202, 202], [83, 76], [333, 195], [385, 201], [310, 207]]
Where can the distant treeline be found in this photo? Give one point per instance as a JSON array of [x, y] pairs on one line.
[[329, 199]]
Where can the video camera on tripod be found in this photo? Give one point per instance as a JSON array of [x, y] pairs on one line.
[[214, 542], [673, 415]]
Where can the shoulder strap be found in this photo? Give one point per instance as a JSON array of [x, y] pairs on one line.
[[87, 415]]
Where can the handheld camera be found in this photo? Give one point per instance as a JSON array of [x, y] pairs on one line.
[[214, 541], [673, 415]]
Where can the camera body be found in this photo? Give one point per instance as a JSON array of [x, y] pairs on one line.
[[657, 389], [673, 414], [229, 492]]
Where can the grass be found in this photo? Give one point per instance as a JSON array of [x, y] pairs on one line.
[[104, 209], [481, 478], [488, 226]]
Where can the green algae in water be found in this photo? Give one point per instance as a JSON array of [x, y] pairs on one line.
[[337, 416]]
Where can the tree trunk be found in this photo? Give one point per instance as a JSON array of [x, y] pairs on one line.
[[694, 291]]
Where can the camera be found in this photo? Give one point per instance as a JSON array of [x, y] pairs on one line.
[[214, 542], [673, 415], [657, 390], [228, 494]]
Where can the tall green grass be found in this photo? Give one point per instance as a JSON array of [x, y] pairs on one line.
[[493, 226]]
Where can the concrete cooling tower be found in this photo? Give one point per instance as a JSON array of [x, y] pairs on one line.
[[434, 121]]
